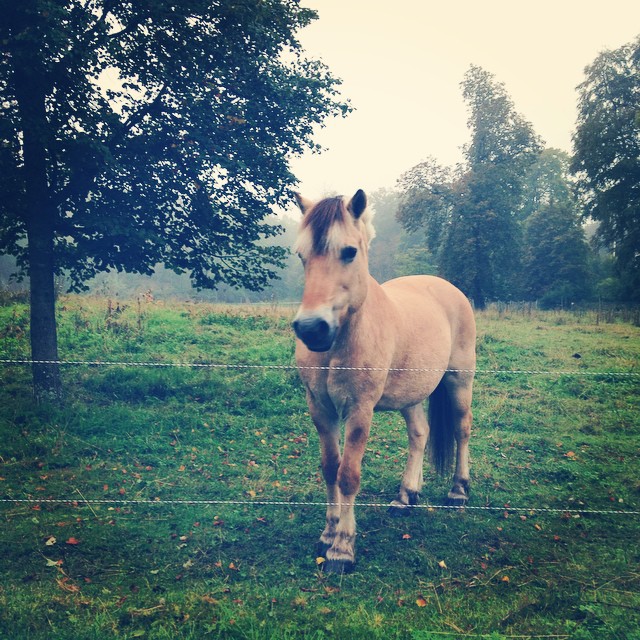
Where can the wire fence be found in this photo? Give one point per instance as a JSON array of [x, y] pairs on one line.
[[289, 367], [565, 511], [506, 508]]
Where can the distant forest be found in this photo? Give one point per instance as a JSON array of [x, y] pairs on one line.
[[394, 252], [513, 221]]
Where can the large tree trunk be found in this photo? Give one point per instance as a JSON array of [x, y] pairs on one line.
[[40, 225], [44, 339]]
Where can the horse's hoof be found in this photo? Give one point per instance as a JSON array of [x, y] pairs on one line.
[[338, 566], [399, 511], [457, 501]]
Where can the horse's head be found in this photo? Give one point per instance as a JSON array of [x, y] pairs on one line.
[[333, 243]]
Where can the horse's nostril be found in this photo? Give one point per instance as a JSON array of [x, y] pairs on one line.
[[315, 332], [322, 327]]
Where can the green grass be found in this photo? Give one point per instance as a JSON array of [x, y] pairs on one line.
[[247, 570]]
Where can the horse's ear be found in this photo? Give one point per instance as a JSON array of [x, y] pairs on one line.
[[357, 204], [303, 203]]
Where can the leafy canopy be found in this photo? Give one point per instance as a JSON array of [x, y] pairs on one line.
[[607, 155], [169, 128], [470, 213]]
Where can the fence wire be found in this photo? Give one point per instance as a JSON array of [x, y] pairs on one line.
[[296, 503], [288, 367], [506, 508]]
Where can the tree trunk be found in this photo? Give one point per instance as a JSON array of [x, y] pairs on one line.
[[44, 339], [39, 217]]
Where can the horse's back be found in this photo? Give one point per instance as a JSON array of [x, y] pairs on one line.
[[438, 306], [431, 290]]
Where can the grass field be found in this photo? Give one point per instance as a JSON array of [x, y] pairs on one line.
[[245, 569]]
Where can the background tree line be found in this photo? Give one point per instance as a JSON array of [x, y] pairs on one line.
[[514, 221]]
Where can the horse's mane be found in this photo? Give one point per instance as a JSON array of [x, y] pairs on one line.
[[322, 218]]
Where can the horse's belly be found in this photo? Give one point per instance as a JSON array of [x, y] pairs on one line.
[[407, 389]]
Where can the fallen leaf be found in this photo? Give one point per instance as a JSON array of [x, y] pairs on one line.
[[50, 541], [406, 536], [53, 563], [442, 564], [320, 560], [73, 540], [505, 579], [67, 586], [421, 602]]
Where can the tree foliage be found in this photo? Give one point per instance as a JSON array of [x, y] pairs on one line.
[[556, 256], [607, 155], [138, 133], [471, 213], [167, 130]]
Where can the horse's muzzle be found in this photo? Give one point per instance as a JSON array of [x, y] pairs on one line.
[[316, 332]]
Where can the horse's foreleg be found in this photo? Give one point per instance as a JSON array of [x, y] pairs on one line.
[[330, 448], [340, 558], [418, 432], [460, 391], [329, 432]]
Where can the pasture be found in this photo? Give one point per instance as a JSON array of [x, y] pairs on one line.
[[112, 542]]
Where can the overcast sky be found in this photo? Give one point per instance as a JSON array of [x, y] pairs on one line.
[[402, 61]]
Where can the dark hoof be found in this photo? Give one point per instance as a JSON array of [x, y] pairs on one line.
[[338, 566], [399, 512], [457, 502], [321, 549]]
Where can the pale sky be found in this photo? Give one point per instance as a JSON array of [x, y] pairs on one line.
[[402, 61]]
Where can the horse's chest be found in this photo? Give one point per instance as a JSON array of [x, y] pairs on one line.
[[339, 390]]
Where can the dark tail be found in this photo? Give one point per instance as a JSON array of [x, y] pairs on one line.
[[441, 438]]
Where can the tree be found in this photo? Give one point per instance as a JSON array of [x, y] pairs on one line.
[[606, 157], [384, 247], [556, 257], [471, 213], [138, 133], [548, 180]]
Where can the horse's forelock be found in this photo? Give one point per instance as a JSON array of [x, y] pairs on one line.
[[321, 219], [317, 226]]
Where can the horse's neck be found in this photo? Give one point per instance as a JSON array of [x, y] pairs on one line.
[[367, 318]]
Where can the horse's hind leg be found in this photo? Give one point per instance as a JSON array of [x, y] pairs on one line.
[[459, 387], [418, 432]]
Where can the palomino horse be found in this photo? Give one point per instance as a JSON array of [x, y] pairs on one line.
[[364, 347]]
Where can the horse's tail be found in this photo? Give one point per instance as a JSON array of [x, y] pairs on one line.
[[441, 440]]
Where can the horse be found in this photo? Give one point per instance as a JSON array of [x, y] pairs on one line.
[[363, 347]]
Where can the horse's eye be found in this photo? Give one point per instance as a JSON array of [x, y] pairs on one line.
[[348, 254]]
